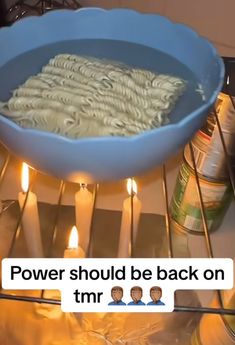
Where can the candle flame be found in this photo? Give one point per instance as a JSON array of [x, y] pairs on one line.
[[228, 80], [25, 177], [131, 186], [73, 238]]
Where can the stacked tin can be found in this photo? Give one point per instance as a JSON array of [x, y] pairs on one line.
[[212, 171]]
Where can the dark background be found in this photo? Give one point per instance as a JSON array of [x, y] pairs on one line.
[[16, 9]]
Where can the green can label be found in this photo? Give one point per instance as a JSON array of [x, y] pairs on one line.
[[185, 204], [207, 146]]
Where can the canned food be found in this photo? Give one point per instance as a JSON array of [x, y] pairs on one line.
[[185, 207], [207, 146], [180, 228]]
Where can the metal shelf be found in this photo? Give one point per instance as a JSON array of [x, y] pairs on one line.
[[207, 237]]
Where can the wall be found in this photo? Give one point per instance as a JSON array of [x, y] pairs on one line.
[[211, 18]]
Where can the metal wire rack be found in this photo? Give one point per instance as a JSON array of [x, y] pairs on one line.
[[221, 311], [178, 308]]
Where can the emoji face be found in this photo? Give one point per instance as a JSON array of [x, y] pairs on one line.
[[155, 294], [117, 293], [136, 294]]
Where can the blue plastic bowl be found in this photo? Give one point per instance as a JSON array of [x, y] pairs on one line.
[[144, 40]]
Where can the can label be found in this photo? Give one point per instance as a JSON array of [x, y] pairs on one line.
[[207, 146], [185, 204]]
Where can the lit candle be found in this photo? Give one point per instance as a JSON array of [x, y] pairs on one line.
[[84, 209], [125, 232], [30, 219], [74, 250]]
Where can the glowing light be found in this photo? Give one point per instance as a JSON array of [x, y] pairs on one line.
[[25, 177], [131, 186], [73, 238]]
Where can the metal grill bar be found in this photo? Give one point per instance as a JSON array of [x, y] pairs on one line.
[[57, 215], [29, 299], [167, 214], [4, 168], [176, 309], [54, 232], [131, 249], [89, 249], [205, 310], [203, 213]]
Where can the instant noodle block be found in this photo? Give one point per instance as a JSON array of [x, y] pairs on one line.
[[78, 97], [141, 41]]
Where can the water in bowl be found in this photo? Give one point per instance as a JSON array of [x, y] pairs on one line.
[[19, 69]]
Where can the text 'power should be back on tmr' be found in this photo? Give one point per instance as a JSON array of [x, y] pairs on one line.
[[89, 285], [113, 273]]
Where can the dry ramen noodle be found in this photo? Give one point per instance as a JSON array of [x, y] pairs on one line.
[[77, 97]]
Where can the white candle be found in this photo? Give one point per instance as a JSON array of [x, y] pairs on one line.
[[125, 232], [84, 209], [30, 219], [74, 250]]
